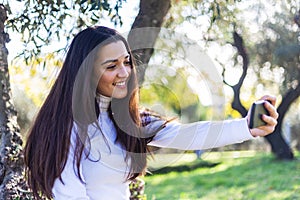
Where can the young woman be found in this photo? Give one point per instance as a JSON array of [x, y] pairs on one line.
[[90, 139]]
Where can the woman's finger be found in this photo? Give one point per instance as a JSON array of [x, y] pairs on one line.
[[271, 109], [262, 130], [269, 98], [271, 121]]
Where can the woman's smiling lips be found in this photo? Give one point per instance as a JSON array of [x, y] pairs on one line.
[[120, 84]]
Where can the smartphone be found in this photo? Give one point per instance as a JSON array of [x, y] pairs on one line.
[[257, 110]]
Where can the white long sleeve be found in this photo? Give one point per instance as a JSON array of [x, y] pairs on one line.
[[201, 135]]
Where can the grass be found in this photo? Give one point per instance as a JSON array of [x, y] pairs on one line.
[[227, 175]]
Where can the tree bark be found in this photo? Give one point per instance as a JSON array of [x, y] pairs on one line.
[[149, 21], [12, 181]]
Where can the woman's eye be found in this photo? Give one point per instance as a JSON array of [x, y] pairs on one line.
[[127, 63], [111, 67]]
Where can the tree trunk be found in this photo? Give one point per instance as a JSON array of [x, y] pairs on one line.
[[12, 182], [279, 146], [143, 34], [145, 30]]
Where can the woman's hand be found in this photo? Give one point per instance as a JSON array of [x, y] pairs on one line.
[[271, 120]]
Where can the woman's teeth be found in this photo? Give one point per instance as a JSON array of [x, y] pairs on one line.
[[119, 83]]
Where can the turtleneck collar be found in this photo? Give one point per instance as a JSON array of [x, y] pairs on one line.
[[103, 102]]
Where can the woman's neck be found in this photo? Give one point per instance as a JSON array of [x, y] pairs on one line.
[[103, 102]]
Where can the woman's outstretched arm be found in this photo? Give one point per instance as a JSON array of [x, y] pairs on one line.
[[211, 134]]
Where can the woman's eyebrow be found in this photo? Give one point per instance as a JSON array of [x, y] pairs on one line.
[[114, 60], [109, 61]]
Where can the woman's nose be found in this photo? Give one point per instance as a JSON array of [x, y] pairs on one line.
[[123, 72]]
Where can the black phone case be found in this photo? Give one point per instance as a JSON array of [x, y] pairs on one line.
[[257, 110]]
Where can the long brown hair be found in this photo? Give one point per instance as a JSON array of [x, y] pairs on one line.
[[72, 101]]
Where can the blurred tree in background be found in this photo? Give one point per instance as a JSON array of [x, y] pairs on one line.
[[277, 63], [31, 85], [169, 93], [267, 47], [259, 44]]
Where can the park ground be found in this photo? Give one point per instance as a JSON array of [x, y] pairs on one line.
[[234, 175]]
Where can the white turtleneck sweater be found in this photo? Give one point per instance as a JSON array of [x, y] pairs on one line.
[[104, 172]]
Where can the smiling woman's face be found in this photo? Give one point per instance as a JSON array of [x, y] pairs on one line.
[[113, 61]]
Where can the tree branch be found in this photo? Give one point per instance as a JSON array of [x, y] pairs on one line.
[[236, 103], [287, 100], [223, 75]]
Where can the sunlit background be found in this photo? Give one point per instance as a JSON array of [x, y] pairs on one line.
[[31, 81], [177, 86]]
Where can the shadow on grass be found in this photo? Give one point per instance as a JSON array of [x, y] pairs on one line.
[[187, 167]]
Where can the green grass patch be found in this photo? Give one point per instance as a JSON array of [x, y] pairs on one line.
[[228, 175]]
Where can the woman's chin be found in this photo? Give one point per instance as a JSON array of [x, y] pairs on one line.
[[119, 94]]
